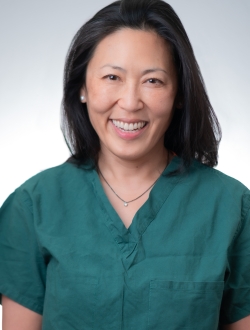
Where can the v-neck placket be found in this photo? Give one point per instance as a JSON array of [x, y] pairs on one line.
[[128, 238]]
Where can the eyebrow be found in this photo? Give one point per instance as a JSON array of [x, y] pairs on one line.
[[115, 67]]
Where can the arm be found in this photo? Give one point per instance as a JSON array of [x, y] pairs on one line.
[[17, 317], [243, 324], [22, 265], [236, 298]]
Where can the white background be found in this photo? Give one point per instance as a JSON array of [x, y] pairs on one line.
[[34, 38]]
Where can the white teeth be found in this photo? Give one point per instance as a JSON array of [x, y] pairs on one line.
[[127, 126]]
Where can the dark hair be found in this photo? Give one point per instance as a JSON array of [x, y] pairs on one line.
[[194, 131]]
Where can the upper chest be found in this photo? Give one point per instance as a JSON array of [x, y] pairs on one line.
[[170, 225]]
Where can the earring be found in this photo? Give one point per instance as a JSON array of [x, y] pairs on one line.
[[82, 98]]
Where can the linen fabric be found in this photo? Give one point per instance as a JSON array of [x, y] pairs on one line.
[[184, 262]]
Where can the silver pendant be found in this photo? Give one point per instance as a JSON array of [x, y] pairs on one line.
[[125, 204]]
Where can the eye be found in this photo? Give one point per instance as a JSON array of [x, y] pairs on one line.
[[155, 81], [112, 77]]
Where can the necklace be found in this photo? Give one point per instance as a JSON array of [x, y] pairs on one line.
[[125, 203]]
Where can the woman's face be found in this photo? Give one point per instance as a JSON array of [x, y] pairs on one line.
[[131, 86]]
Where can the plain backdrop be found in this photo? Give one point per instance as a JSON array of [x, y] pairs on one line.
[[34, 39]]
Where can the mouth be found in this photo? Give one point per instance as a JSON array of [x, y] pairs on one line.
[[129, 127]]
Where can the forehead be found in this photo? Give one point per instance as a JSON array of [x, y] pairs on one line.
[[127, 45]]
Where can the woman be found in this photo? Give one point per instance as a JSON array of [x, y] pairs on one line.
[[136, 230]]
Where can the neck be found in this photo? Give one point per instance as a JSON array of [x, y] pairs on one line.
[[147, 167]]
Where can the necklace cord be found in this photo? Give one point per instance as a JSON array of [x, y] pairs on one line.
[[132, 200]]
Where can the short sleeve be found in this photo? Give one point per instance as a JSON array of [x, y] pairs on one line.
[[236, 298], [22, 266]]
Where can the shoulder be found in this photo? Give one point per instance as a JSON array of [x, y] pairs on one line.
[[218, 179], [62, 174], [54, 182], [218, 184]]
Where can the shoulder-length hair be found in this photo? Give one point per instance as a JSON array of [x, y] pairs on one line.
[[194, 132]]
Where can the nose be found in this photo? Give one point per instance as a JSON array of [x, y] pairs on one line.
[[129, 98]]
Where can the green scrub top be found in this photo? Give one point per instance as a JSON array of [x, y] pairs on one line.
[[184, 262]]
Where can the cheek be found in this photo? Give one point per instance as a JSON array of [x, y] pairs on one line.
[[162, 108], [161, 102], [99, 100]]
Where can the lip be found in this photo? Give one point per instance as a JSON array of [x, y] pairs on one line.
[[128, 135]]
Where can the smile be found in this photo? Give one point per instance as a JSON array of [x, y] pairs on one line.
[[128, 127]]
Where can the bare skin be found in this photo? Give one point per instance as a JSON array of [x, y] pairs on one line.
[[243, 324], [133, 189], [17, 317]]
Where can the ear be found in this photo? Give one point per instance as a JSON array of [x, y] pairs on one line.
[[82, 95]]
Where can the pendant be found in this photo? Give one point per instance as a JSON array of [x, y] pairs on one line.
[[125, 204]]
